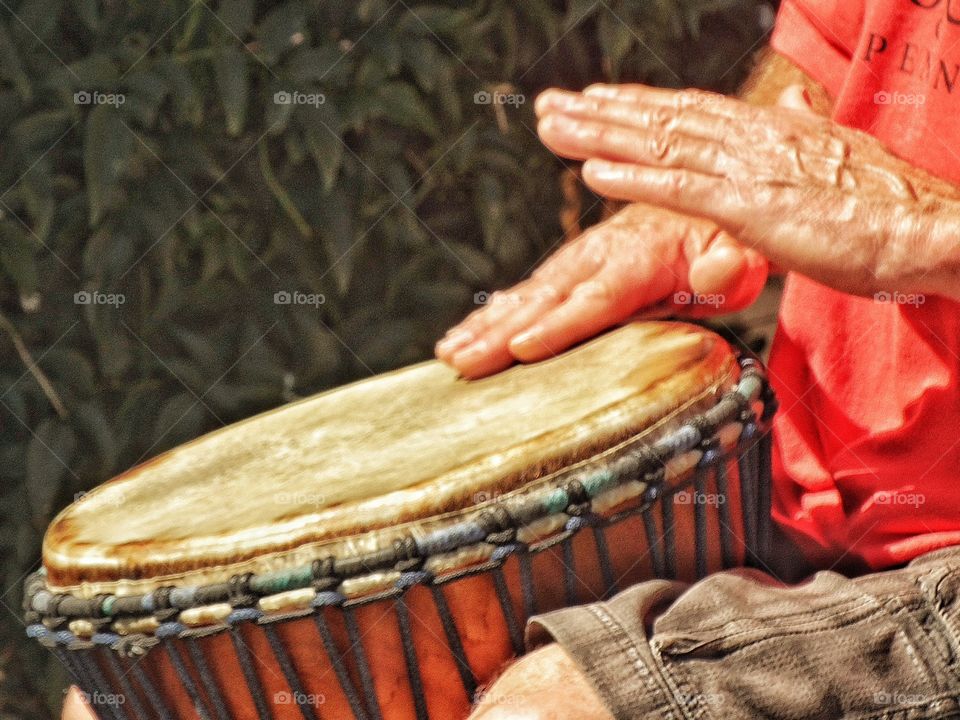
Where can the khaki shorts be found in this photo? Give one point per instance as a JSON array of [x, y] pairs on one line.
[[741, 645]]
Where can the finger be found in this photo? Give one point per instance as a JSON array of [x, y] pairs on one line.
[[553, 280], [717, 269], [75, 707], [592, 307], [666, 97], [480, 359], [711, 197], [730, 273], [584, 139], [488, 353], [495, 308]]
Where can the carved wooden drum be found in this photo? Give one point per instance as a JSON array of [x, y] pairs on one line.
[[374, 551]]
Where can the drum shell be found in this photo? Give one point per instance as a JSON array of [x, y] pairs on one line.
[[423, 649]]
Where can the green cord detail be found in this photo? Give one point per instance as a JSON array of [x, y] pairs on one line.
[[277, 582]]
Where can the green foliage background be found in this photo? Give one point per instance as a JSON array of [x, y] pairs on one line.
[[199, 197]]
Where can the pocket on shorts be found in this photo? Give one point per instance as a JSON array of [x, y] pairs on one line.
[[738, 649]]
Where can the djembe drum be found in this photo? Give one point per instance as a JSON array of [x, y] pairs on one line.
[[374, 551]]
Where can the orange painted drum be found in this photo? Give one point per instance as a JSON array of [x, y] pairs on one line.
[[374, 551]]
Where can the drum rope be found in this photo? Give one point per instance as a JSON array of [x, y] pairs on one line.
[[254, 686]]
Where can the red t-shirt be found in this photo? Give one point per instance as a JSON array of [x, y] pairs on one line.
[[867, 459]]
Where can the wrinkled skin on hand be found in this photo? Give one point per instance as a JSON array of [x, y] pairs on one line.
[[812, 196], [640, 258], [543, 685]]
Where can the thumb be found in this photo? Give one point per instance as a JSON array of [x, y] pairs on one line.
[[75, 707], [796, 97], [731, 271]]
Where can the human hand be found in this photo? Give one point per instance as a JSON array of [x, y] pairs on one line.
[[544, 685], [809, 194], [642, 258]]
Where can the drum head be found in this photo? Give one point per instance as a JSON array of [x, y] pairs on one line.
[[394, 450]]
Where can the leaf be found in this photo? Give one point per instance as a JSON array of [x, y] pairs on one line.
[[10, 66], [145, 91], [88, 11], [18, 258], [424, 60], [402, 104], [107, 147], [578, 11], [237, 15], [231, 70], [616, 39], [326, 149], [181, 89], [182, 418], [49, 454], [278, 28]]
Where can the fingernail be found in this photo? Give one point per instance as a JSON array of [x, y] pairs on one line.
[[601, 170], [527, 337], [472, 352], [454, 340], [559, 122], [601, 91]]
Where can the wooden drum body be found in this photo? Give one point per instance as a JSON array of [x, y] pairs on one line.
[[374, 551]]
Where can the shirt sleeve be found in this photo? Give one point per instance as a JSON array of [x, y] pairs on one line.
[[819, 39]]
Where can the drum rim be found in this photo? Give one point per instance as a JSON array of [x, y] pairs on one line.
[[301, 590]]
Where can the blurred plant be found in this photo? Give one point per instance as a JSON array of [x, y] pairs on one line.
[[206, 211]]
